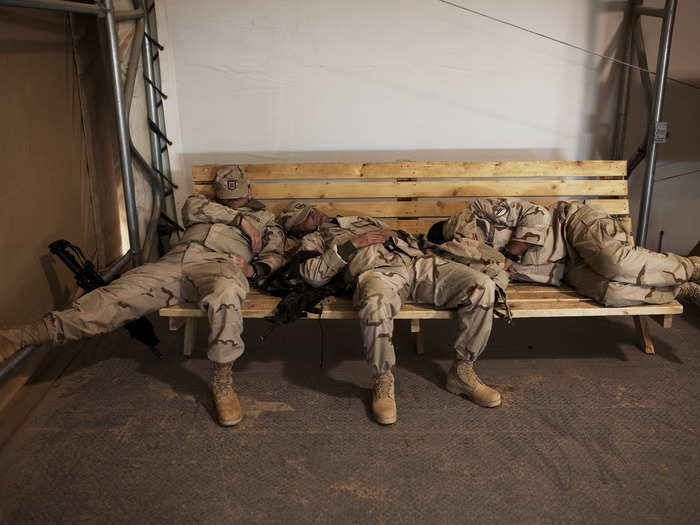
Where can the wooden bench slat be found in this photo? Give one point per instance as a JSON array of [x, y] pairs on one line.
[[342, 308], [404, 169], [369, 190], [431, 208]]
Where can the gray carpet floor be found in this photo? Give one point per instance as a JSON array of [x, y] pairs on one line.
[[591, 431]]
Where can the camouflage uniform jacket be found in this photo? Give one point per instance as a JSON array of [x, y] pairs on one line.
[[217, 227], [498, 221], [332, 241]]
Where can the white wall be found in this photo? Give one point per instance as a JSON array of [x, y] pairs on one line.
[[316, 80]]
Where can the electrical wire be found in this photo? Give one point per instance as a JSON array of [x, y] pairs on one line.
[[563, 42]]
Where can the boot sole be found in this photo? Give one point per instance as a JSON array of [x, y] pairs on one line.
[[459, 392], [230, 423], [386, 420]]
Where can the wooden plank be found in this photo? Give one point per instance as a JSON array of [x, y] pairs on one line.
[[367, 190], [411, 169], [643, 338], [175, 323], [342, 308], [584, 309], [426, 208]]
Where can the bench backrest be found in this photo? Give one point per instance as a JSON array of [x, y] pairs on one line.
[[413, 195]]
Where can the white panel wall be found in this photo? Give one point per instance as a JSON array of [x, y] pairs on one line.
[[311, 80]]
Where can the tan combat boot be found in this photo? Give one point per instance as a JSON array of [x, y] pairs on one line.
[[689, 292], [14, 339], [383, 404], [462, 379], [228, 408]]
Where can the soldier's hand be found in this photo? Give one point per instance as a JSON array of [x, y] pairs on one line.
[[373, 237], [246, 268], [252, 233]]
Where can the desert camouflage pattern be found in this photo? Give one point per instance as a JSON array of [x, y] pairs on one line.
[[380, 292], [193, 271], [605, 265], [388, 275], [188, 273], [231, 182], [294, 213], [475, 254], [320, 270], [579, 243], [210, 224], [498, 221]]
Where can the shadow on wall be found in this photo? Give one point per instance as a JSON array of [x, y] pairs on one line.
[[601, 83], [676, 197]]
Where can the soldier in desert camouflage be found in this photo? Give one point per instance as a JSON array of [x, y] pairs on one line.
[[577, 242], [388, 268], [228, 242]]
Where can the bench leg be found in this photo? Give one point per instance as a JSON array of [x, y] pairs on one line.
[[174, 323], [420, 342], [190, 336], [643, 337]]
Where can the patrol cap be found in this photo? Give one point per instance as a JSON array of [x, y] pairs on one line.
[[294, 213], [230, 183]]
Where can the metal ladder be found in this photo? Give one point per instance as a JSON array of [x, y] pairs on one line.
[[160, 158]]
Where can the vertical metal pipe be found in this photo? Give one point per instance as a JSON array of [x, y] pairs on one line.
[[624, 86], [123, 135], [661, 73]]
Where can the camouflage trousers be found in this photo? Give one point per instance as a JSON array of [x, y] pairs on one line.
[[380, 292], [605, 265], [189, 273]]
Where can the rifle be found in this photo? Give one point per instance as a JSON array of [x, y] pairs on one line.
[[87, 277]]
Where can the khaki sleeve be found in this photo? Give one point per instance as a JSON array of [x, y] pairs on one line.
[[529, 221], [199, 209], [319, 270], [273, 240]]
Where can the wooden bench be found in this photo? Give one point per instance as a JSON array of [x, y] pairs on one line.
[[412, 196]]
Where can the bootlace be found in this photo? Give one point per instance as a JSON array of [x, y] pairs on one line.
[[221, 382], [384, 386], [465, 371]]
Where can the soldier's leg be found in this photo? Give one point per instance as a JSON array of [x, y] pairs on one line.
[[221, 288], [138, 292], [612, 293], [448, 284], [379, 296], [607, 248]]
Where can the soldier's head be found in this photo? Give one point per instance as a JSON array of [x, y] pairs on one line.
[[436, 233], [299, 219], [231, 186]]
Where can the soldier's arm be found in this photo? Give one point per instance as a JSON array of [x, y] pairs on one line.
[[319, 270], [529, 221], [199, 209], [271, 257], [473, 251]]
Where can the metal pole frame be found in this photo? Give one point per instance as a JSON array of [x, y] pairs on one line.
[[105, 8], [655, 118], [123, 135]]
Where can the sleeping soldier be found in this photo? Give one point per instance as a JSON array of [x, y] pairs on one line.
[[576, 242], [387, 269], [211, 265]]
